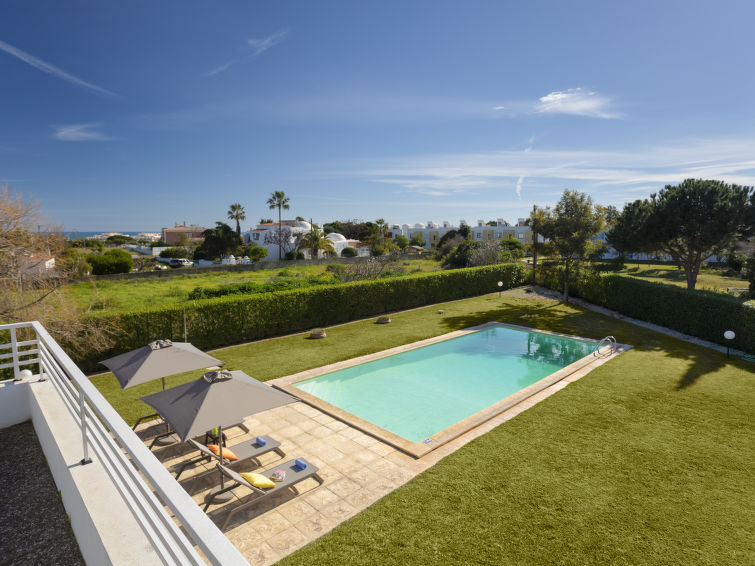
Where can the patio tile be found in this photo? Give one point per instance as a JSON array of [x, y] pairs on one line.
[[381, 448], [303, 439], [343, 486], [350, 432], [399, 458], [321, 432], [344, 444], [339, 511], [337, 425], [290, 431], [364, 476], [261, 554], [296, 510], [321, 497], [305, 409], [270, 524], [315, 526], [323, 419], [308, 424], [366, 457], [366, 440], [288, 541], [348, 465], [362, 498]]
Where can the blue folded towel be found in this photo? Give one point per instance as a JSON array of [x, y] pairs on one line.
[[261, 441], [300, 464]]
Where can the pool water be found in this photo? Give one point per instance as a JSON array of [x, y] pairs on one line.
[[418, 393]]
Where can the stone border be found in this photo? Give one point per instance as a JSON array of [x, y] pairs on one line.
[[419, 449]]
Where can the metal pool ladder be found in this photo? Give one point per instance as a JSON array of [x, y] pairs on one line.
[[608, 340]]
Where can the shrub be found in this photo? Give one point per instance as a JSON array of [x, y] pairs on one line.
[[176, 253], [703, 314], [112, 261], [223, 321], [349, 252]]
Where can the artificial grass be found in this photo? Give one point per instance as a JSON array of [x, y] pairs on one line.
[[646, 460]]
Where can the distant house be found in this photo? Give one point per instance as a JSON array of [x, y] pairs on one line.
[[173, 235]]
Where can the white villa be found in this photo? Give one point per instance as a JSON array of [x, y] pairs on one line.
[[266, 235]]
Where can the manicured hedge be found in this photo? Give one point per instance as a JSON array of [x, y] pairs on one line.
[[212, 323], [703, 314]]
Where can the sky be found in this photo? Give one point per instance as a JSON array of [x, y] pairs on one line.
[[136, 115]]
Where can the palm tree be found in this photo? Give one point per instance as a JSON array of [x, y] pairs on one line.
[[315, 241], [279, 200], [236, 212]]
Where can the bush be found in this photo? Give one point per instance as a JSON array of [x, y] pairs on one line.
[[112, 261], [349, 252], [256, 253], [223, 321], [703, 314], [176, 253]]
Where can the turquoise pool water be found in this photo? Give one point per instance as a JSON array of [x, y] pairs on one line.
[[418, 393]]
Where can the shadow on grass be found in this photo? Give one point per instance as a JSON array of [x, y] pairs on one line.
[[575, 320]]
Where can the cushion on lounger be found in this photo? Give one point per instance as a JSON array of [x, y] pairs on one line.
[[227, 454], [258, 480]]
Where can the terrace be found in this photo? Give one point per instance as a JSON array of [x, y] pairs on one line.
[[563, 444]]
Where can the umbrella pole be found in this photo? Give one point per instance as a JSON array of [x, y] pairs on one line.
[[165, 440], [216, 493]]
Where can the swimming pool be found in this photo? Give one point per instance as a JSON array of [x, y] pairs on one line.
[[422, 395]]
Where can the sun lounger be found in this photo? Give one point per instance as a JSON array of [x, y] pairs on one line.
[[245, 451], [294, 474]]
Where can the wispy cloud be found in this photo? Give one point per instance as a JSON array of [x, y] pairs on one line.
[[258, 47], [52, 70], [80, 132], [613, 176], [576, 101]]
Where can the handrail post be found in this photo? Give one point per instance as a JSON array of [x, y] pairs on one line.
[[82, 414], [14, 353]]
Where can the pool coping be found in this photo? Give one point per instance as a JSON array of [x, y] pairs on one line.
[[419, 449]]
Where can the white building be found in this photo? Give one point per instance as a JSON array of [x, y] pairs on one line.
[[432, 232], [291, 232]]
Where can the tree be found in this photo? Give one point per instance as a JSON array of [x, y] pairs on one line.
[[461, 255], [119, 239], [375, 238], [315, 241], [112, 261], [536, 222], [176, 252], [401, 241], [218, 242], [571, 227], [512, 248], [236, 212], [690, 222], [256, 253], [266, 220], [279, 200], [285, 239], [417, 240], [30, 285]]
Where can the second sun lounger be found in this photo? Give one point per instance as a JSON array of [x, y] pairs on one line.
[[244, 451], [294, 475]]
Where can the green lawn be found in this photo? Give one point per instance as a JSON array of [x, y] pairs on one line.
[[647, 460], [708, 279], [128, 294]]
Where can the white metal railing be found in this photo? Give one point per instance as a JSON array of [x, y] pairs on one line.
[[124, 456], [608, 340]]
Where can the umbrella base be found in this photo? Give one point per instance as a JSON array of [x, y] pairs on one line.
[[165, 440], [216, 497]]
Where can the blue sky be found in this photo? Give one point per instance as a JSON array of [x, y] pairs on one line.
[[134, 115]]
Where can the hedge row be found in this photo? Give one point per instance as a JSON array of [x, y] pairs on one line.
[[703, 314], [212, 323]]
